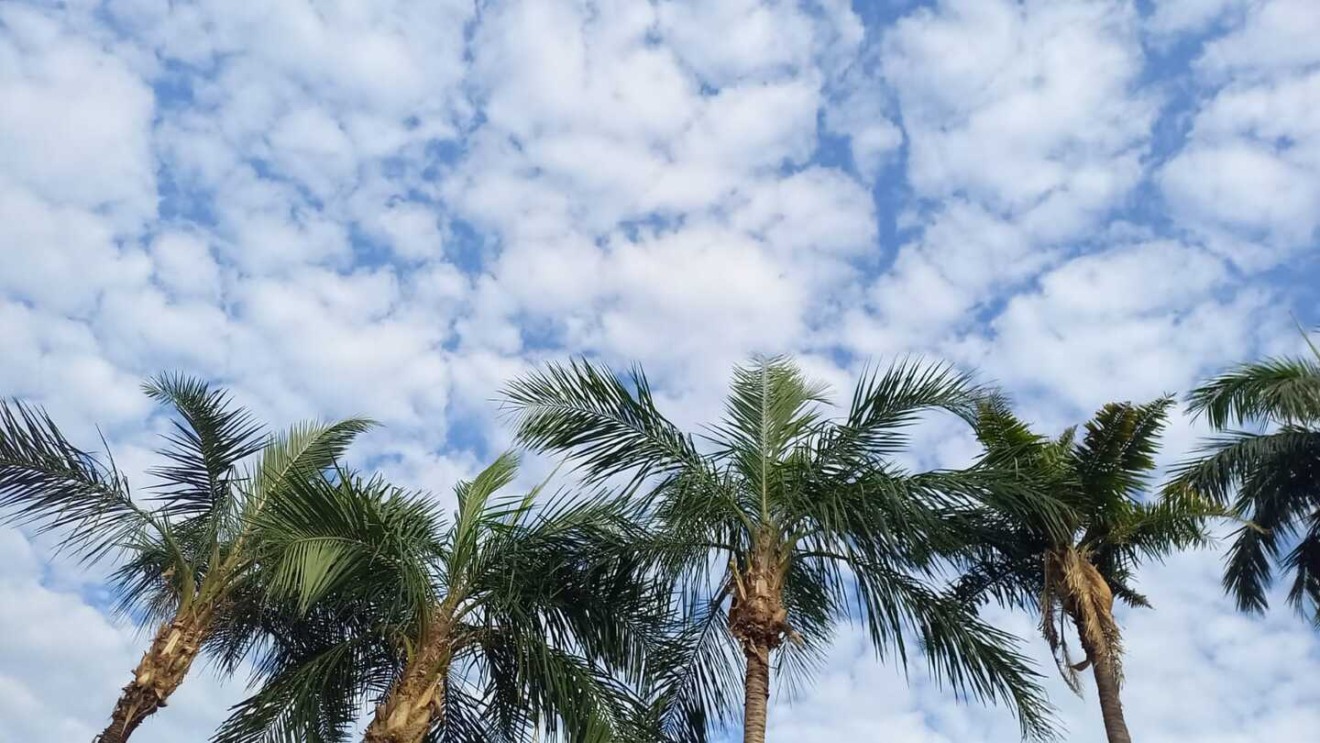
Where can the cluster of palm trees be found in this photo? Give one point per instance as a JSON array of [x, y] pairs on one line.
[[654, 598]]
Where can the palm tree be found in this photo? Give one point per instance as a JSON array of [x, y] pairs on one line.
[[184, 560], [1269, 476], [1071, 570], [509, 618], [783, 524]]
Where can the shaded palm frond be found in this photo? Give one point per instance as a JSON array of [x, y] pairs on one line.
[[1285, 390], [204, 448], [52, 485]]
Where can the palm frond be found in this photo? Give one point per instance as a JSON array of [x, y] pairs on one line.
[[1117, 454], [52, 485], [1304, 562], [349, 534], [304, 451], [971, 657], [696, 678], [885, 403], [473, 513], [1285, 390], [770, 407], [204, 448], [1227, 461], [608, 426]]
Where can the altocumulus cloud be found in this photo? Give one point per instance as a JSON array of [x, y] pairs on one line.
[[388, 208]]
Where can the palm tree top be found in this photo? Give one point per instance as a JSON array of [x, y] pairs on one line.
[[535, 594], [777, 485]]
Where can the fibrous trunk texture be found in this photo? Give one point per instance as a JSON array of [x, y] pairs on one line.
[[758, 620], [1111, 704], [1090, 603], [416, 702], [161, 671]]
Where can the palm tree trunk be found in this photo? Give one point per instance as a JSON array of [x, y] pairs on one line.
[[758, 620], [416, 702], [161, 671], [1111, 705], [756, 693]]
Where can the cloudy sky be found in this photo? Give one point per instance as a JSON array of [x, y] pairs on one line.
[[389, 207]]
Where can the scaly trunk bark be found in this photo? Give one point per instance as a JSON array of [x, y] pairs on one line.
[[161, 671], [1111, 705], [758, 620], [756, 693], [417, 700]]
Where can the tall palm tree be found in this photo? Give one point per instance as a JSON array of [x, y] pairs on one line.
[[184, 556], [509, 618], [1268, 475], [1071, 570], [783, 523]]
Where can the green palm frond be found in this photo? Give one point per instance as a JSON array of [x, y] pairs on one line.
[[1304, 562], [349, 534], [204, 448], [695, 678], [1285, 390], [303, 451], [972, 657], [1225, 462], [52, 485], [611, 425], [317, 670], [1117, 453], [1270, 480], [474, 511], [886, 403], [771, 406]]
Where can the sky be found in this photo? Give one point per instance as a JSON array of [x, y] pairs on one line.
[[389, 208]]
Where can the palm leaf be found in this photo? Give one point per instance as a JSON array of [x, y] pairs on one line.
[[47, 482], [205, 448]]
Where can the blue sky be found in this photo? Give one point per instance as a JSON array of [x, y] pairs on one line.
[[390, 207]]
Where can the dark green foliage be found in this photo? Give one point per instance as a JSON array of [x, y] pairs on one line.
[[1268, 476]]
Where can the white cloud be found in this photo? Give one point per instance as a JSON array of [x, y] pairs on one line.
[[1252, 165], [1135, 322], [74, 127], [1025, 126]]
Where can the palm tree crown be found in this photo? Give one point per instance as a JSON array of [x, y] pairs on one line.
[[783, 523], [509, 618], [185, 560], [1071, 569]]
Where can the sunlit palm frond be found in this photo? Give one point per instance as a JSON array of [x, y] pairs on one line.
[[348, 535], [1117, 453], [302, 452], [771, 406], [885, 404]]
